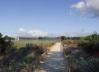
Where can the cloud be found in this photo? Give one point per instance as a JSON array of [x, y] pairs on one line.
[[22, 30], [31, 33], [88, 7]]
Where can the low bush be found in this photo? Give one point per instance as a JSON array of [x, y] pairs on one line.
[[5, 44], [27, 56], [87, 60], [80, 64], [90, 44], [89, 65]]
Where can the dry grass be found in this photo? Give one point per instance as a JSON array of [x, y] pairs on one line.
[[70, 43], [43, 43]]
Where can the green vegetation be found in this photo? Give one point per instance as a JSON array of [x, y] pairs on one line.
[[84, 57], [18, 59], [5, 44], [44, 43], [90, 44], [17, 56]]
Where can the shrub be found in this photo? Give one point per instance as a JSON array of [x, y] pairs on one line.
[[90, 44], [5, 44], [89, 65], [37, 49]]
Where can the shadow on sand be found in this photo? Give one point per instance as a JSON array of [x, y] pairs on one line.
[[53, 63]]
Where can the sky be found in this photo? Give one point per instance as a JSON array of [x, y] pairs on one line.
[[49, 16]]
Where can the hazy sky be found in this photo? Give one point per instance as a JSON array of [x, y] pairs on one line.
[[52, 16]]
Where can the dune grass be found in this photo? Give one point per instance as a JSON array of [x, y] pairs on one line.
[[44, 43]]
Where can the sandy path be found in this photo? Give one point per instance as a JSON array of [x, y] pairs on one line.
[[54, 61], [57, 47]]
